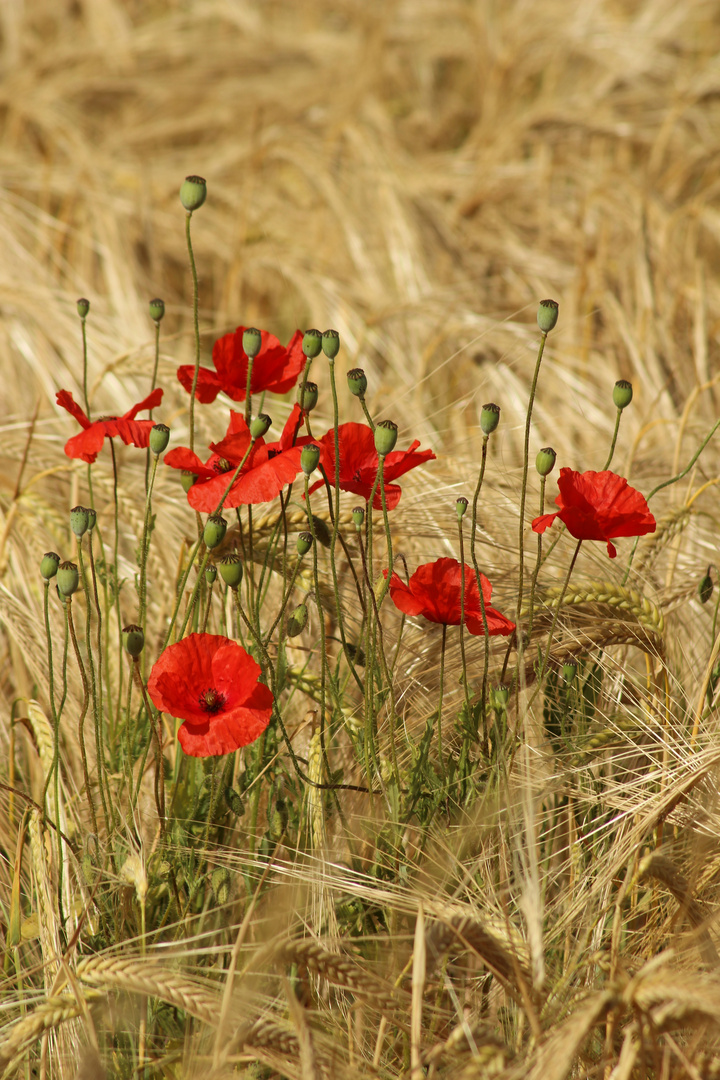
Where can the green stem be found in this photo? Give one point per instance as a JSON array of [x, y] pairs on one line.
[[614, 440], [473, 536], [145, 545], [463, 658], [440, 703], [116, 570], [157, 734], [97, 717], [546, 658], [85, 386], [55, 767], [538, 562], [83, 712], [523, 494], [197, 329]]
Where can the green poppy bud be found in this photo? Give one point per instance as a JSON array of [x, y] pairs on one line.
[[357, 654], [187, 479], [157, 310], [251, 342], [211, 574], [231, 570], [569, 671], [79, 520], [214, 532], [357, 382], [304, 543], [49, 565], [233, 801], [159, 438], [309, 458], [307, 398], [358, 516], [260, 425], [83, 306], [68, 578], [545, 461], [312, 344], [489, 417], [705, 588], [331, 344], [622, 394], [133, 639], [92, 518], [297, 621], [322, 532], [220, 881], [547, 315], [386, 433], [193, 193], [461, 506], [501, 695]]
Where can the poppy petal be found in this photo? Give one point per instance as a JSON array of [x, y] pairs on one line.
[[66, 400], [208, 385]]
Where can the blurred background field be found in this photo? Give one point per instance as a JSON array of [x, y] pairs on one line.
[[415, 174]]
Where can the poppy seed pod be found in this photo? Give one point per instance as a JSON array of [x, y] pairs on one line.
[[187, 479], [214, 532], [297, 621], [501, 695], [322, 532], [331, 344], [193, 193], [312, 344], [545, 461], [489, 417], [79, 520], [92, 518], [705, 588], [386, 433], [304, 543], [157, 309], [307, 397], [67, 578], [159, 438], [461, 506], [622, 394], [133, 639], [569, 671], [547, 315], [49, 565], [260, 425], [357, 382], [83, 307], [251, 342], [309, 458], [231, 570], [358, 516], [211, 574]]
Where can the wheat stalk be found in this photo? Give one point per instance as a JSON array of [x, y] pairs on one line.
[[606, 593], [47, 1016], [337, 969], [152, 980]]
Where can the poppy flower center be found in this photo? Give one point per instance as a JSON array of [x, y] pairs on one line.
[[222, 465], [211, 701], [357, 476], [102, 419]]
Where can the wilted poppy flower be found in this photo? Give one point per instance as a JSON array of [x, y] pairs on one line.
[[211, 683], [434, 592], [598, 506], [88, 444], [359, 463], [275, 368], [267, 470]]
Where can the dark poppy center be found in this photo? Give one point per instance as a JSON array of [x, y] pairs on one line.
[[102, 419], [222, 465], [357, 476], [211, 701]]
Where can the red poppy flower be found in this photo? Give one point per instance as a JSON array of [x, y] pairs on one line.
[[434, 591], [88, 444], [267, 470], [598, 506], [359, 463], [275, 367], [211, 683]]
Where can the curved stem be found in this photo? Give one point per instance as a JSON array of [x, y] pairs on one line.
[[83, 712], [614, 440], [486, 663], [440, 703], [538, 562], [85, 386], [546, 658], [526, 451], [197, 329]]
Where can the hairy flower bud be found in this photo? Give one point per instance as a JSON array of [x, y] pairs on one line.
[[251, 342], [68, 578], [231, 570], [260, 425], [309, 458], [386, 433], [193, 193], [312, 344], [214, 532], [705, 588], [489, 417], [569, 671], [221, 882], [159, 438], [547, 315], [133, 639], [49, 565], [157, 309], [622, 394], [331, 344], [83, 307], [545, 460], [297, 621], [501, 695]]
